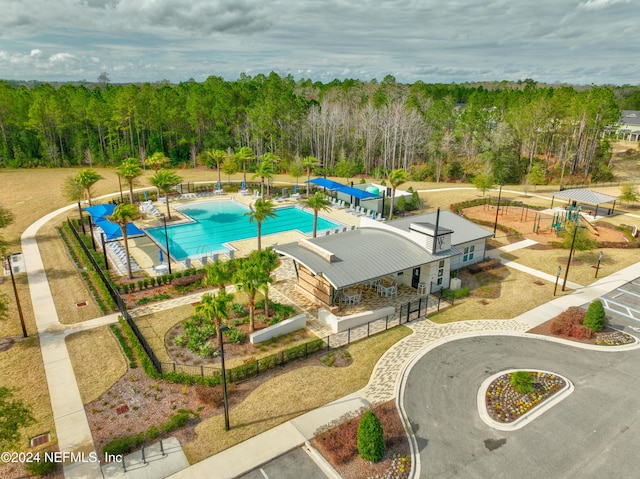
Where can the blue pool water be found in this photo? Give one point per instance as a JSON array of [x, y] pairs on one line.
[[218, 222]]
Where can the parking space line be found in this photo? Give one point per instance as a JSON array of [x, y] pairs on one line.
[[264, 473], [624, 291], [629, 310]]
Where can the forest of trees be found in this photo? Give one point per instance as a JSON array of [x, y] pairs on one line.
[[437, 132]]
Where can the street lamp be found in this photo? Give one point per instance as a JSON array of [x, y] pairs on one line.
[[495, 225], [224, 327], [15, 292], [166, 240], [120, 186], [600, 256], [557, 278], [573, 242]]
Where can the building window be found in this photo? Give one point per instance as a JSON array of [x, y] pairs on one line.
[[441, 264], [440, 272], [468, 253], [439, 281]]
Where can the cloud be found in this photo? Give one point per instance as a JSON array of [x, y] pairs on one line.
[[459, 40], [600, 4]]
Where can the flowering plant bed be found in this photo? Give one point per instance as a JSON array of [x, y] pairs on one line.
[[505, 404]]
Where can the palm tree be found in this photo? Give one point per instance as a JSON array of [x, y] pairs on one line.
[[267, 259], [86, 179], [156, 161], [260, 211], [245, 154], [250, 278], [165, 180], [396, 178], [219, 274], [215, 310], [318, 202], [309, 163], [130, 169], [123, 215], [215, 157], [265, 170]]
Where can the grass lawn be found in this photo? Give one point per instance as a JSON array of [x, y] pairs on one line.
[[87, 350], [582, 269], [519, 294], [276, 401], [30, 387]]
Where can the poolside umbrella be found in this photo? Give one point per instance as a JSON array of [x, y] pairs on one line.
[[295, 188], [146, 195], [243, 185], [100, 211], [160, 255], [218, 185]]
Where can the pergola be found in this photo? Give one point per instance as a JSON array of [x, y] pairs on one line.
[[589, 197]]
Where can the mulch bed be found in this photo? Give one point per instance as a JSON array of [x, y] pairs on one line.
[[607, 337], [338, 445], [506, 405]]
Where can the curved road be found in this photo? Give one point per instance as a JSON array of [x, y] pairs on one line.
[[592, 433]]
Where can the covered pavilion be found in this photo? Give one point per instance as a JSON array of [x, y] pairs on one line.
[[583, 196]]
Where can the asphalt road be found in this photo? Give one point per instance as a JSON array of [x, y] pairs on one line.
[[592, 433]]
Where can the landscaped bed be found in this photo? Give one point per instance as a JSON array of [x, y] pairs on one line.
[[505, 404]]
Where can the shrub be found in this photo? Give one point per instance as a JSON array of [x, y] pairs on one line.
[[43, 467], [187, 280], [370, 438], [570, 324], [122, 445], [234, 336], [522, 381], [595, 317]]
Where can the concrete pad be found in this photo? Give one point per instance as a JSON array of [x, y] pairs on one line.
[[310, 422], [155, 465]]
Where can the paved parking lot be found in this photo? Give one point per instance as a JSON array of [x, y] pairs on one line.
[[623, 306], [292, 465], [592, 433]]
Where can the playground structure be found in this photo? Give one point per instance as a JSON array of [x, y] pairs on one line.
[[533, 222], [559, 219]]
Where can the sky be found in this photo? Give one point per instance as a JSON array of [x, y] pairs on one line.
[[443, 41]]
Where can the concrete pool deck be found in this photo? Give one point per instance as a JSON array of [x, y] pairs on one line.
[[145, 251]]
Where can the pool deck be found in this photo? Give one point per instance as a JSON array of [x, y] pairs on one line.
[[145, 251]]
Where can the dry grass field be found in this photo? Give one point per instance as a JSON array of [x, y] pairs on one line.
[[97, 361]]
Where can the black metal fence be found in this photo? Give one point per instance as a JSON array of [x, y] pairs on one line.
[[406, 313], [122, 307]]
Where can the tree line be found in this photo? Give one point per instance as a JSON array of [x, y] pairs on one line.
[[436, 132]]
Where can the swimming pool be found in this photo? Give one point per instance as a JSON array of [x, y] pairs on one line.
[[218, 222]]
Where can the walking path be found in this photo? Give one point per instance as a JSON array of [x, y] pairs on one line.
[[72, 428]]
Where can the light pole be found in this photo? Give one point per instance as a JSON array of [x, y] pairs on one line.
[[495, 225], [166, 240], [557, 278], [224, 327], [120, 186], [573, 242], [600, 256], [15, 292]]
